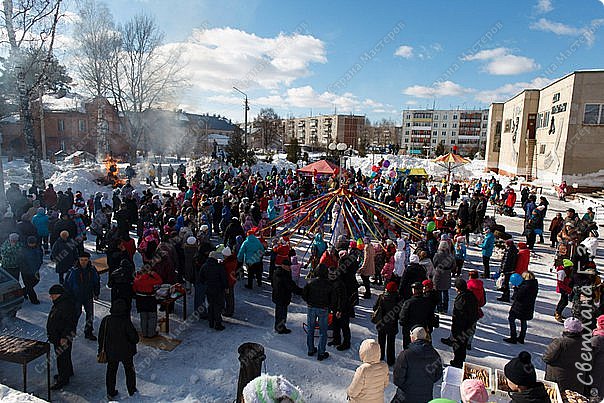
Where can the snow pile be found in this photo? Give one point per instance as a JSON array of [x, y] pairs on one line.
[[17, 171], [8, 395], [83, 179]]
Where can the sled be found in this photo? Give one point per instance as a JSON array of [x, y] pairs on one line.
[[329, 327], [160, 342]]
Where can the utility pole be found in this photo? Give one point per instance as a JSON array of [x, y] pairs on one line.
[[247, 108], [42, 129]]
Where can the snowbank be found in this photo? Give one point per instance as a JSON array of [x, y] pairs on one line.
[[83, 179], [17, 171], [8, 395]]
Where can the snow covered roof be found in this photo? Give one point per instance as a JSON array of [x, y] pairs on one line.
[[14, 118], [68, 103]]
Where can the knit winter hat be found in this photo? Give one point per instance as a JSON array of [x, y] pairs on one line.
[[226, 252], [392, 287], [41, 210], [520, 370], [14, 237], [191, 240], [56, 289], [267, 388], [573, 325], [473, 391], [599, 330], [414, 259], [567, 263]]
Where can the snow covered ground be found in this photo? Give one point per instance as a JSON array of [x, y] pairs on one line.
[[204, 368]]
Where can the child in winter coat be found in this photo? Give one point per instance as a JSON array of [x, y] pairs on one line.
[[144, 286], [230, 265], [460, 254], [371, 377], [563, 287]]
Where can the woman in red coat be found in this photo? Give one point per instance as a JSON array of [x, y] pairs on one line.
[[230, 266], [477, 287], [523, 259]]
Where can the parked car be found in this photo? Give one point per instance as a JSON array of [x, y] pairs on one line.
[[11, 295]]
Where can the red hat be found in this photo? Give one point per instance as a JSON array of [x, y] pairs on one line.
[[352, 245], [428, 283], [392, 287], [253, 231]]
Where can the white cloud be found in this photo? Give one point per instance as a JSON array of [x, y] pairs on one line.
[[545, 6], [501, 61], [506, 91], [219, 58], [406, 51], [372, 104], [439, 89], [411, 102], [558, 28]]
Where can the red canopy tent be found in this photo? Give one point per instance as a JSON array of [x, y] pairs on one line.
[[322, 167]]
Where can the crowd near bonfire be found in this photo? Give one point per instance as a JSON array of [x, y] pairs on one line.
[[398, 240]]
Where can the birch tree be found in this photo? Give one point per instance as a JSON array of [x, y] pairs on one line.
[[28, 27]]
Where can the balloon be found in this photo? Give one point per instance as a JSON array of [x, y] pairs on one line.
[[386, 164], [375, 168], [516, 279], [431, 226], [359, 244], [392, 174]]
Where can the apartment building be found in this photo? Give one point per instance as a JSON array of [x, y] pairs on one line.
[[319, 131], [424, 129], [554, 133]]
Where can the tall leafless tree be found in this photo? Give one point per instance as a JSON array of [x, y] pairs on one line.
[[98, 43], [29, 26], [142, 75]]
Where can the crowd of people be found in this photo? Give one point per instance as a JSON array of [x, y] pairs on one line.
[[216, 230]]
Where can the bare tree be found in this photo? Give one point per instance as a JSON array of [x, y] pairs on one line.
[[270, 127], [142, 75], [29, 27], [98, 42]]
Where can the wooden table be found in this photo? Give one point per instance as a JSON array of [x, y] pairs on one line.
[[166, 304], [22, 351]]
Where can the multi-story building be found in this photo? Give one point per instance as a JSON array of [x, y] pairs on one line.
[[424, 129], [319, 131], [555, 133]]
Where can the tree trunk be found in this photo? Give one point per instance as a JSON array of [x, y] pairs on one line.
[[35, 165]]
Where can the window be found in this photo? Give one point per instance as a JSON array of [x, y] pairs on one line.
[[435, 133], [484, 134], [556, 97], [542, 149], [442, 142], [435, 124], [406, 140], [61, 125], [454, 117], [408, 117], [435, 117], [484, 125], [508, 125], [434, 141], [455, 125], [443, 133], [407, 132], [444, 125], [82, 125], [592, 114], [445, 117], [453, 133], [452, 141], [408, 124]]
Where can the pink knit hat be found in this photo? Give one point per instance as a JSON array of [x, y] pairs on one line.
[[473, 391]]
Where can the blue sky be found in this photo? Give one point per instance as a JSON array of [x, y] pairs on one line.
[[371, 57]]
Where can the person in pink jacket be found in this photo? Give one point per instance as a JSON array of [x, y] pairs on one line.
[[371, 377]]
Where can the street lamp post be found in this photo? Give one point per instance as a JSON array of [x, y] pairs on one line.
[[247, 108], [340, 148]]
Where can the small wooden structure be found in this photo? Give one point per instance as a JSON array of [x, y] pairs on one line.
[[22, 351]]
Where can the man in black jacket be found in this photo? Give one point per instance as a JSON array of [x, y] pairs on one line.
[[283, 287], [118, 339], [465, 316], [416, 311], [414, 273], [416, 370], [318, 294], [213, 275], [341, 309], [508, 267], [60, 328]]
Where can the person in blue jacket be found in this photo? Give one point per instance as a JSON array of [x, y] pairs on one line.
[[251, 253], [40, 221], [487, 246], [272, 215], [83, 286]]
